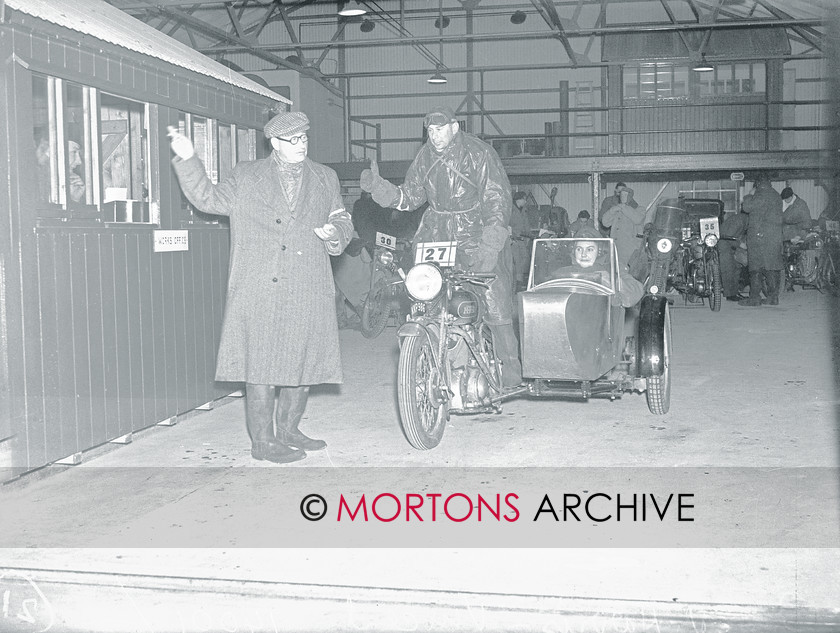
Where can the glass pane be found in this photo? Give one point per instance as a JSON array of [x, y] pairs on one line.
[[647, 76], [663, 82], [245, 145], [44, 138], [758, 78], [680, 85], [77, 162], [225, 152], [123, 135]]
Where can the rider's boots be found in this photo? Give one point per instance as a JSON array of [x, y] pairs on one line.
[[259, 404], [755, 290], [290, 408], [507, 349], [774, 280]]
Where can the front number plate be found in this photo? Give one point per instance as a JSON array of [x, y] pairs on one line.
[[709, 226], [440, 253], [386, 241]]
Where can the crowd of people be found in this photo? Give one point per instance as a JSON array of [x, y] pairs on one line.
[[288, 221]]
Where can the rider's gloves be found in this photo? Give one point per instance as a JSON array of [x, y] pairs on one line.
[[492, 241], [384, 193], [327, 233]]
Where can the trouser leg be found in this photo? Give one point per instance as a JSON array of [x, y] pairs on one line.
[[507, 349], [259, 407], [291, 403], [774, 280], [754, 299]]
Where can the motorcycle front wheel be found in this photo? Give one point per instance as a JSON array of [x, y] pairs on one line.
[[423, 410], [658, 391], [376, 311], [715, 281]]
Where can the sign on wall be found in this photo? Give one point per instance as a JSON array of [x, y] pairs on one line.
[[166, 241]]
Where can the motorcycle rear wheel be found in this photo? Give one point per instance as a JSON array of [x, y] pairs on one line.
[[715, 283], [375, 312], [828, 276], [422, 416], [658, 391]]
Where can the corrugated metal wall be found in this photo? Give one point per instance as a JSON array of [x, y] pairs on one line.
[[127, 336]]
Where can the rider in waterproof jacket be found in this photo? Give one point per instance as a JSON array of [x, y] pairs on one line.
[[469, 200]]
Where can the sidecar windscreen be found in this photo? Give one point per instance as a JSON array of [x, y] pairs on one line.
[[566, 262]]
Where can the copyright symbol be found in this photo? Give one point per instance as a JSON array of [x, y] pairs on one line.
[[309, 507]]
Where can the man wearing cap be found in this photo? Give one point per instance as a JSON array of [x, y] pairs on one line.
[[626, 223], [469, 198], [280, 333], [796, 216], [764, 242]]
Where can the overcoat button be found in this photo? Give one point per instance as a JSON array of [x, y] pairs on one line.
[[279, 221], [283, 248], [274, 280]]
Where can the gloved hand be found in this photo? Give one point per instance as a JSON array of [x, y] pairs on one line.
[[327, 233], [181, 145], [384, 193], [484, 260]]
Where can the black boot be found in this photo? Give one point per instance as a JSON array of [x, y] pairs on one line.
[[259, 404], [755, 290], [291, 405], [774, 281]]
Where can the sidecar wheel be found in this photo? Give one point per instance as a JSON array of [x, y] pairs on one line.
[[659, 387], [716, 281], [375, 312], [423, 413]]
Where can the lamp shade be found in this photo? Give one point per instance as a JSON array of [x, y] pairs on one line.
[[703, 66], [437, 78], [350, 8]]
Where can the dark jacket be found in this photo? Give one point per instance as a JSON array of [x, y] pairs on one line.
[[796, 219], [764, 232], [280, 324]]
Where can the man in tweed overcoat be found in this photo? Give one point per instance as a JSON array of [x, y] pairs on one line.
[[280, 333]]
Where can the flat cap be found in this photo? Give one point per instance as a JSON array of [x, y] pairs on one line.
[[286, 124], [440, 115], [587, 231], [787, 192]]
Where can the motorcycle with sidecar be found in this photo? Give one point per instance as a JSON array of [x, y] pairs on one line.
[[811, 262], [576, 339], [387, 294]]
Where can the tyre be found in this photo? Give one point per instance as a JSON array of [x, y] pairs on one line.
[[376, 311], [828, 275], [659, 387], [715, 282], [423, 410]]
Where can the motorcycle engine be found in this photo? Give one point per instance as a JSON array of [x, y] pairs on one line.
[[470, 387]]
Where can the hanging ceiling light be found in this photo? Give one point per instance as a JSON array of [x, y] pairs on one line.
[[349, 8], [703, 66], [437, 78], [518, 17], [367, 26], [445, 22]]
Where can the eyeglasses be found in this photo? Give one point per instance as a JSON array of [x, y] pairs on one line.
[[295, 139]]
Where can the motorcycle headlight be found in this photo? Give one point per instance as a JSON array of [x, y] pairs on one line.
[[423, 282], [654, 289], [664, 245], [818, 244], [711, 239], [386, 257]]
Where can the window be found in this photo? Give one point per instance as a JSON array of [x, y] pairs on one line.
[[733, 79], [655, 82], [123, 133]]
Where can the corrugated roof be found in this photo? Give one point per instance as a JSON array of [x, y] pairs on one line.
[[102, 21]]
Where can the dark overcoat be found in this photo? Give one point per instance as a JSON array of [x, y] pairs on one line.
[[764, 231], [796, 219], [280, 325]]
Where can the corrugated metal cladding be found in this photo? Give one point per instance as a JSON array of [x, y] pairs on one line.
[[731, 42], [128, 336], [109, 24]]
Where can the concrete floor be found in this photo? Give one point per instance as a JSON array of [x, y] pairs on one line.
[[752, 434]]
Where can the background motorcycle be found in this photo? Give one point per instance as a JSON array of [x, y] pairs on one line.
[[812, 261], [387, 291], [448, 362]]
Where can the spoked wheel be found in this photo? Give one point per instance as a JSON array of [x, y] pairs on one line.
[[424, 409], [376, 311], [659, 387], [715, 283], [828, 276]]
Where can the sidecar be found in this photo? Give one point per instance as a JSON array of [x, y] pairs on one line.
[[577, 339]]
